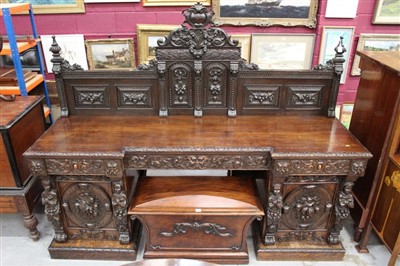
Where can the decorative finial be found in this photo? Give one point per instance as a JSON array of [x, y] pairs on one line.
[[198, 16], [340, 49]]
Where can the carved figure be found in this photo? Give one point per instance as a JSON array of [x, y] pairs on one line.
[[274, 213], [119, 202]]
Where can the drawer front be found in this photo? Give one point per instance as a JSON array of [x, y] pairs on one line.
[[196, 232]]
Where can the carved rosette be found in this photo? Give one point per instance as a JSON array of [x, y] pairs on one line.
[[344, 202], [257, 161], [52, 209], [274, 213], [119, 202], [110, 168], [311, 167]]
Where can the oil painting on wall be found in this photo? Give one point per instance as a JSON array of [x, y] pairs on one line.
[[53, 6], [266, 12]]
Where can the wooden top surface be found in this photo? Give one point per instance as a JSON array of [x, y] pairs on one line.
[[115, 135], [196, 195], [13, 111], [389, 59]]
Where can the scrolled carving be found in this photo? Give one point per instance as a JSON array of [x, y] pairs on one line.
[[82, 166], [301, 236], [120, 209], [134, 97], [262, 97], [91, 97], [295, 167], [243, 65], [344, 202], [209, 228], [151, 65], [96, 234], [197, 162]]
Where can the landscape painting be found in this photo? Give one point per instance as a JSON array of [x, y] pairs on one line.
[[387, 12], [110, 54], [53, 6], [266, 12]]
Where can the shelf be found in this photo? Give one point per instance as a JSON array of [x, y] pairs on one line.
[[22, 46], [30, 85], [46, 111], [15, 8]]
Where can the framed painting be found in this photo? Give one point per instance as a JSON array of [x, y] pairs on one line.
[[266, 13], [374, 42], [387, 12], [345, 113], [53, 6], [244, 43], [110, 54], [174, 2], [282, 51], [148, 36], [330, 39], [72, 49], [341, 8]]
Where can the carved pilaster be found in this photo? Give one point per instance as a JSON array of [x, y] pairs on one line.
[[161, 67], [338, 61], [119, 202], [344, 202], [274, 213], [234, 68], [52, 209], [198, 110]]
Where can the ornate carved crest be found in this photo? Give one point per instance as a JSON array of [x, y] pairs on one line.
[[200, 36]]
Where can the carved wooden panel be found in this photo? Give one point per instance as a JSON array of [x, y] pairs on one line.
[[215, 85], [311, 167], [180, 86], [91, 96], [134, 96], [112, 168], [262, 96], [195, 161], [304, 97]]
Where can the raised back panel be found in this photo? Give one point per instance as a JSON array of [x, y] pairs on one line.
[[197, 71]]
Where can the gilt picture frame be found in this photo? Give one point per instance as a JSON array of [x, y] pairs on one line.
[[374, 42], [53, 6], [110, 54], [265, 13], [282, 51], [386, 12], [330, 39], [148, 35], [174, 2]]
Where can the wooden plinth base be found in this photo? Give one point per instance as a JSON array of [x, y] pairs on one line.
[[219, 257], [297, 251], [95, 249]]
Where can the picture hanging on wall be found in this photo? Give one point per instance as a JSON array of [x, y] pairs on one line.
[[282, 51], [53, 6], [72, 49], [148, 35], [341, 8], [244, 43], [110, 54], [386, 12], [374, 42], [174, 2], [266, 13], [330, 39]]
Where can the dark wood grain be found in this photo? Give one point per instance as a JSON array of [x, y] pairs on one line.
[[283, 133]]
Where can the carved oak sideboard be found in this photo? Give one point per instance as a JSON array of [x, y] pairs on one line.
[[198, 106]]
